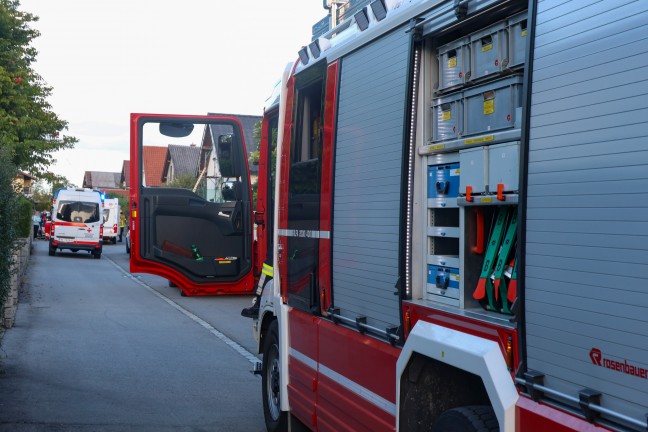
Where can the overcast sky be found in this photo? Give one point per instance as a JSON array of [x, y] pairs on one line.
[[106, 59]]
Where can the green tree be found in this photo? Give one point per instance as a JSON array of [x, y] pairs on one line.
[[184, 181], [28, 126]]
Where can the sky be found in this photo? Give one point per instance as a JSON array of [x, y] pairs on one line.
[[107, 59]]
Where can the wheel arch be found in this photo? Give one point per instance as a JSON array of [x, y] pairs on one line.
[[447, 356]]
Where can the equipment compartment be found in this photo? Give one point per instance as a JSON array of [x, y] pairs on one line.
[[443, 181], [517, 31]]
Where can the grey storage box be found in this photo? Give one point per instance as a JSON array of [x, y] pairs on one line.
[[489, 51], [473, 163], [517, 31], [503, 167], [454, 64], [447, 117], [494, 106]]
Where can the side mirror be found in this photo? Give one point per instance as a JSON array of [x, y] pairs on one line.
[[176, 130]]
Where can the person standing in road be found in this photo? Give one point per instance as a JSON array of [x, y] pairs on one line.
[[36, 221], [122, 224]]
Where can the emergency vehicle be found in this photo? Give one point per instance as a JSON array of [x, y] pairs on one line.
[[77, 221], [111, 220], [458, 221]]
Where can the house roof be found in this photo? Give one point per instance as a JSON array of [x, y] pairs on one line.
[[25, 176], [125, 174], [184, 158], [247, 122], [101, 180], [154, 157]]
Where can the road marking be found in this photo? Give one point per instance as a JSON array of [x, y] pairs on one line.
[[211, 329]]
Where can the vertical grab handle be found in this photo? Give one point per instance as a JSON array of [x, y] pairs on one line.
[[478, 247]]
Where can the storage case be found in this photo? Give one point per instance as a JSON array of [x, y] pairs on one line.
[[489, 51], [443, 281], [447, 117], [503, 166], [494, 106], [443, 181], [517, 31], [474, 161], [454, 64]]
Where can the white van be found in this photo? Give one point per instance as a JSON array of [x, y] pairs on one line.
[[111, 220], [77, 221]]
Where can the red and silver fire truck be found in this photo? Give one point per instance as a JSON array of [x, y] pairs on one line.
[[455, 219]]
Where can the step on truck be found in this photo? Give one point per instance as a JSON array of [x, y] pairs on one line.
[[456, 221]]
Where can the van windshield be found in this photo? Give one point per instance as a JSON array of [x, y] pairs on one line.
[[78, 211]]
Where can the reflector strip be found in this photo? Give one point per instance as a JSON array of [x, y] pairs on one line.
[[304, 233]]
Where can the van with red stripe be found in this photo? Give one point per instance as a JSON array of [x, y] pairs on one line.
[[77, 221]]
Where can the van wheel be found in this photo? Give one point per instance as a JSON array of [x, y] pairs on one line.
[[467, 419], [96, 255], [52, 251], [275, 419]]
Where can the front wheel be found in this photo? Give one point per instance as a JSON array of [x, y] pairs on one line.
[[275, 419], [467, 419]]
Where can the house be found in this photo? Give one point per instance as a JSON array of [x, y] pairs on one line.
[[101, 180], [124, 180], [247, 122], [23, 183], [216, 136], [180, 161], [153, 158]]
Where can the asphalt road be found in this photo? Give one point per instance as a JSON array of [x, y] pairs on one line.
[[95, 348]]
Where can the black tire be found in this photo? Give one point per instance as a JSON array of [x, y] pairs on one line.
[[467, 419], [52, 251], [96, 255], [275, 419]]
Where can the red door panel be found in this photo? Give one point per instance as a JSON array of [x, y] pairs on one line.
[[191, 214]]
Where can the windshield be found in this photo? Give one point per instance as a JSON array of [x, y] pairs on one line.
[[78, 211]]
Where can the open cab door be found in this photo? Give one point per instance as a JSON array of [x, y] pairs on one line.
[[190, 207]]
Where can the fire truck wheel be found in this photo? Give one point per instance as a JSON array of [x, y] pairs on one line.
[[275, 419], [467, 419]]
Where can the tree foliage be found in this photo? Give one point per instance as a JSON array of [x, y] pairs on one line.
[[28, 126]]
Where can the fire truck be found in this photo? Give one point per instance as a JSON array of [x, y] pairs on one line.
[[455, 217]]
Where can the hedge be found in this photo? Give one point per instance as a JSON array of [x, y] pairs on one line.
[[9, 210]]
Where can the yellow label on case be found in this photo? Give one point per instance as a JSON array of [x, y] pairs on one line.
[[446, 115], [436, 147], [524, 33], [487, 47], [479, 140], [489, 106], [452, 62]]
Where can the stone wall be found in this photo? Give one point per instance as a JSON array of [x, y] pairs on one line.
[[19, 262]]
